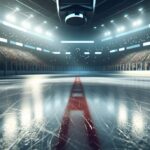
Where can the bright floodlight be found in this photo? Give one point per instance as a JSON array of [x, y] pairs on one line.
[[86, 53], [11, 18], [26, 25], [77, 42], [112, 21], [98, 53], [137, 23], [95, 27], [108, 33], [121, 29], [68, 53], [48, 33], [17, 9], [102, 25], [45, 22], [140, 9], [126, 16], [38, 30], [31, 16]]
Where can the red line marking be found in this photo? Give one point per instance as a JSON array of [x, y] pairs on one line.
[[77, 104]]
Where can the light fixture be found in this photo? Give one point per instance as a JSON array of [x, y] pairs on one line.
[[108, 33], [137, 23], [140, 9], [17, 9], [121, 29], [48, 33], [26, 24], [77, 42], [102, 25], [68, 53], [126, 16], [31, 16], [98, 53], [56, 53], [86, 53], [38, 29], [45, 22], [11, 18]]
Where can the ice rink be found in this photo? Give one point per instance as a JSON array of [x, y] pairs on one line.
[[40, 112]]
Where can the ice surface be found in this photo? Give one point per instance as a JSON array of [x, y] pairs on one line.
[[32, 108]]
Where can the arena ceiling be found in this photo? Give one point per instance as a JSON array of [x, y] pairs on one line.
[[104, 12]]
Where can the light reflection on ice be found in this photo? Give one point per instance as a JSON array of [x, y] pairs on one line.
[[122, 115], [35, 85], [26, 115], [10, 126], [110, 107], [138, 122]]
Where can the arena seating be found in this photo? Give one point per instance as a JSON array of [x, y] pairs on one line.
[[12, 59], [133, 61]]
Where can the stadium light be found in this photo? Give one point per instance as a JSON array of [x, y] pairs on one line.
[[113, 51], [19, 44], [38, 30], [47, 51], [126, 16], [48, 33], [45, 22], [102, 25], [77, 42], [86, 53], [98, 53], [112, 21], [121, 29], [39, 49], [17, 9], [26, 24], [121, 49], [137, 23], [11, 18], [68, 53], [108, 33], [31, 16], [140, 9], [3, 40], [95, 27], [56, 53]]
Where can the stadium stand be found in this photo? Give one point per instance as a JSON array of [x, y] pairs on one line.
[[13, 59], [133, 61], [27, 59]]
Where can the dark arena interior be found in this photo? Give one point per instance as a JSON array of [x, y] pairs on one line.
[[74, 74]]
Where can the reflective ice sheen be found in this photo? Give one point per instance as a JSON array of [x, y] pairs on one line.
[[32, 107]]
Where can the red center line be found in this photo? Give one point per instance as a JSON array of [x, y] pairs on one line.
[[77, 102]]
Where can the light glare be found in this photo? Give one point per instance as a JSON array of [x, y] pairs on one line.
[[48, 33], [112, 21], [86, 53], [11, 18], [26, 25], [121, 29], [102, 25], [140, 9], [108, 33], [137, 23], [38, 30], [126, 16], [17, 9]]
